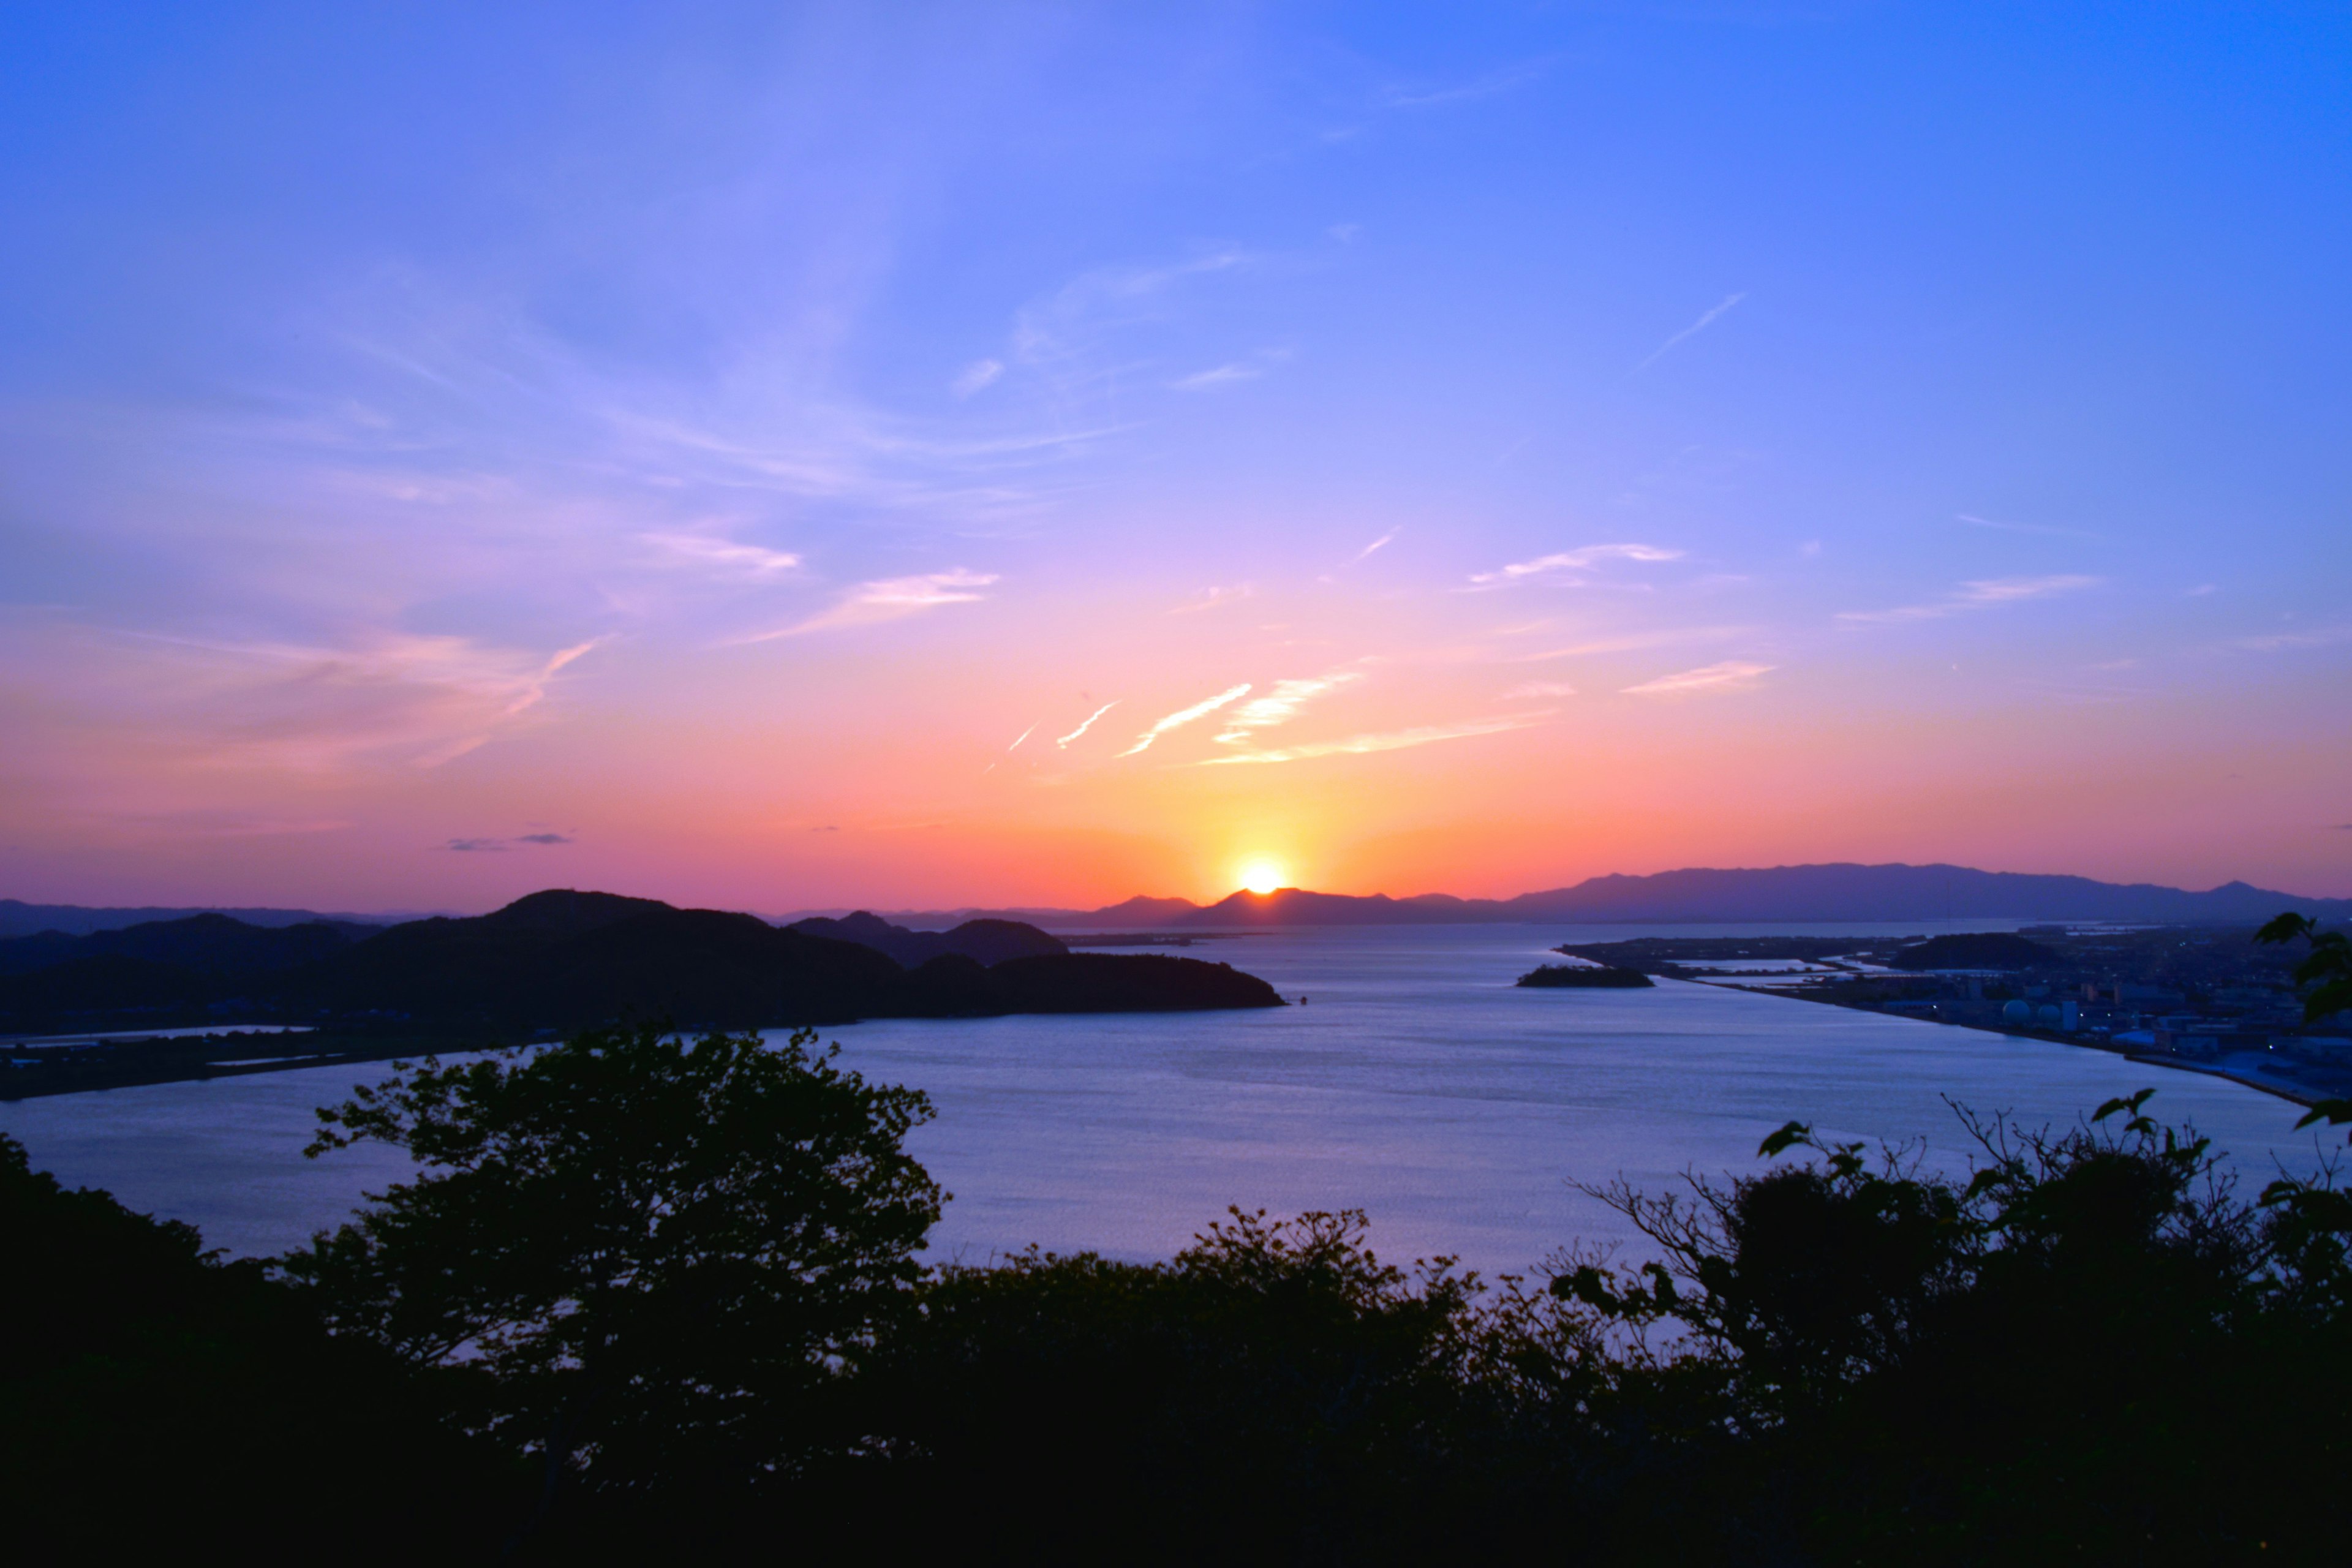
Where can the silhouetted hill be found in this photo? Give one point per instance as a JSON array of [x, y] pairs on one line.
[[1812, 893], [20, 919], [560, 912], [1977, 950], [207, 944], [985, 940], [102, 983], [1297, 907], [565, 959], [1849, 892], [560, 959], [953, 985], [1124, 983]]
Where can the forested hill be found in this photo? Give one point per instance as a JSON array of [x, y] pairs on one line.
[[986, 941], [563, 959]]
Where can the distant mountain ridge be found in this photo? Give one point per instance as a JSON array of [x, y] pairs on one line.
[[20, 919], [1842, 891], [1764, 895]]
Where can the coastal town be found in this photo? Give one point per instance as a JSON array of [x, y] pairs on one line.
[[2208, 998]]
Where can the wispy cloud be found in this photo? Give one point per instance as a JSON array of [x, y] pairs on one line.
[[888, 600], [1389, 741], [1984, 595], [498, 846], [1562, 565], [1184, 716], [1212, 597], [1731, 675], [1066, 336], [1535, 688], [1281, 704], [2318, 637], [975, 376], [1491, 84], [1632, 642], [422, 701], [1220, 376], [1090, 722], [1691, 331], [744, 559], [1366, 552], [1975, 522]]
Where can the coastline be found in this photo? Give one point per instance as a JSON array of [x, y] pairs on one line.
[[2296, 1094]]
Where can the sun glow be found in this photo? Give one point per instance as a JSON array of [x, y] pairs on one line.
[[1262, 875]]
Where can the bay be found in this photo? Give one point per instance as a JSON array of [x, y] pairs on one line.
[[1416, 1083]]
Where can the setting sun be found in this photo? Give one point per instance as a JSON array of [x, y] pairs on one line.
[[1261, 876]]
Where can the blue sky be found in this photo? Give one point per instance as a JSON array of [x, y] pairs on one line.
[[423, 425]]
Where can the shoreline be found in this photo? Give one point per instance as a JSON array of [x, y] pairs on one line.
[[2294, 1094]]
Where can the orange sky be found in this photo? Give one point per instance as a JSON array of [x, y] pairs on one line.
[[1480, 447]]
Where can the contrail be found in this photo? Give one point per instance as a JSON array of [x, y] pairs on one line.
[[1090, 721], [1198, 711], [1691, 330], [1025, 735]]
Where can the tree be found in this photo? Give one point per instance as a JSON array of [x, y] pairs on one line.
[[2092, 1350], [143, 1380], [2327, 970], [642, 1259]]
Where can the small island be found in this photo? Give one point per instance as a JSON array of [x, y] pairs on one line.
[[1579, 976]]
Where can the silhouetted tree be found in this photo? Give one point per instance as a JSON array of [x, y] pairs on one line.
[[642, 1255], [2091, 1350], [2327, 970], [149, 1391]]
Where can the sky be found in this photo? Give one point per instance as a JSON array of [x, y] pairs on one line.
[[791, 456]]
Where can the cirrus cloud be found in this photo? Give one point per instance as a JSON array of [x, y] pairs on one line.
[[1281, 703], [1562, 565], [1731, 675], [1388, 740], [1184, 716], [889, 599], [1985, 594]]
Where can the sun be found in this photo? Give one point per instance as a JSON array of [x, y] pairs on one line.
[[1262, 875]]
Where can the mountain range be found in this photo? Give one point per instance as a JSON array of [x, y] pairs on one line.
[[1779, 893], [1760, 895]]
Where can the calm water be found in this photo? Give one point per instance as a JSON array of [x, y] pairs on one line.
[[1416, 1084]]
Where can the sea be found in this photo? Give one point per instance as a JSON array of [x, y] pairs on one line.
[[1409, 1078]]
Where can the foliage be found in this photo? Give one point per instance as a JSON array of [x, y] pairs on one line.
[[145, 1384], [2326, 969], [2091, 1348], [1275, 1392], [642, 1257], [682, 1272]]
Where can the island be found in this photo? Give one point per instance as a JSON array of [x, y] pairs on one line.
[[1583, 978]]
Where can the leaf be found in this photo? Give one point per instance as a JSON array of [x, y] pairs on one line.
[[2132, 1104], [2335, 1112], [2285, 928], [1788, 1138]]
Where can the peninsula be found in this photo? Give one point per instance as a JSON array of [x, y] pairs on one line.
[[553, 962]]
